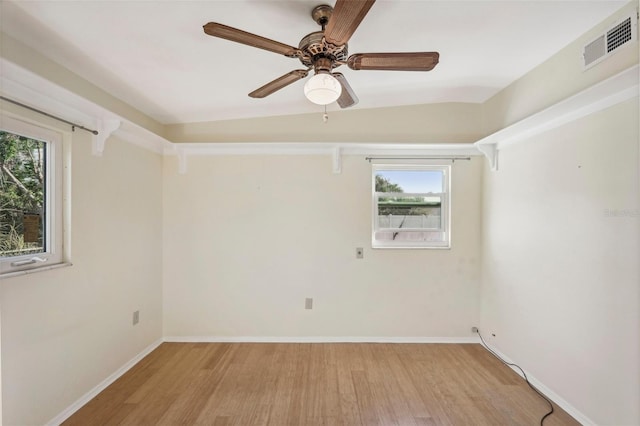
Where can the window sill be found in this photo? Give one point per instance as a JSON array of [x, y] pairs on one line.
[[34, 270]]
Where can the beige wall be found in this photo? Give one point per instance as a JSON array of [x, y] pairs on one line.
[[558, 78], [25, 57], [433, 123], [66, 330], [560, 272], [560, 242], [248, 238], [234, 247]]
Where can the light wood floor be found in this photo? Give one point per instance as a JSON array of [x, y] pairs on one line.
[[318, 384]]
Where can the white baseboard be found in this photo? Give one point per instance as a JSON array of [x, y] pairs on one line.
[[318, 339], [561, 402], [64, 415]]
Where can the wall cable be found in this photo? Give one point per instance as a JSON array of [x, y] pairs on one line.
[[524, 375]]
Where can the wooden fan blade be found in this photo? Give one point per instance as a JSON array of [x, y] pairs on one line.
[[416, 61], [347, 97], [279, 83], [346, 16], [229, 33]]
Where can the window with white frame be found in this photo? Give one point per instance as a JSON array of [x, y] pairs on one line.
[[30, 196], [411, 206]]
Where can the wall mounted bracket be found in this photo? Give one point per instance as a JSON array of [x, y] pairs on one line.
[[105, 129], [490, 151]]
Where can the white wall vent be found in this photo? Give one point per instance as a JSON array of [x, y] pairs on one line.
[[619, 34]]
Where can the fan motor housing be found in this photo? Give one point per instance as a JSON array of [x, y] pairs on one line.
[[314, 47]]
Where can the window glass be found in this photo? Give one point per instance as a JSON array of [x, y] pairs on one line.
[[410, 206], [23, 213], [31, 196]]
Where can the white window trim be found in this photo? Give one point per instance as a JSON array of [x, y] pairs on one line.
[[445, 206], [54, 254]]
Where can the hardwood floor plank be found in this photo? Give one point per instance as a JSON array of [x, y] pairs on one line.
[[149, 412], [348, 401], [318, 384], [425, 375], [406, 389], [366, 406], [383, 384], [283, 386], [222, 421]]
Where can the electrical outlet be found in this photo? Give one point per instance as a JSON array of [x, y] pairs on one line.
[[359, 253], [136, 317], [308, 303], [474, 329]]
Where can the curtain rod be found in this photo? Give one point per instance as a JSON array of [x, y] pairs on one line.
[[452, 158], [73, 125]]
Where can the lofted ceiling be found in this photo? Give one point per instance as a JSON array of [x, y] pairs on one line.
[[155, 56]]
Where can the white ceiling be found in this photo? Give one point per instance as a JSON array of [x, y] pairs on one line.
[[155, 56]]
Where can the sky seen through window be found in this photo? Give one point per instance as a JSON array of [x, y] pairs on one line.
[[414, 181]]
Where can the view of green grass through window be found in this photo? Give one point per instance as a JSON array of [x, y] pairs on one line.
[[22, 195]]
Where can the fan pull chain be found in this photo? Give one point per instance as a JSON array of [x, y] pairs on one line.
[[325, 116]]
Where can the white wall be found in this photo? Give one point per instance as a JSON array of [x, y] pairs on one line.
[[560, 272], [66, 330], [560, 242], [248, 238]]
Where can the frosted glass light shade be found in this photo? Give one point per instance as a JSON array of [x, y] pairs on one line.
[[322, 89]]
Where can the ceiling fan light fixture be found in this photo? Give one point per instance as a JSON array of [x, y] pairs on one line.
[[322, 89], [322, 51]]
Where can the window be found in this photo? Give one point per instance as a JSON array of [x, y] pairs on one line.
[[30, 196], [411, 206]]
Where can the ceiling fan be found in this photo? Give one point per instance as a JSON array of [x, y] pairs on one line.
[[325, 50]]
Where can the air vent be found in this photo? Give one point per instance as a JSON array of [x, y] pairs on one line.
[[595, 50], [619, 34]]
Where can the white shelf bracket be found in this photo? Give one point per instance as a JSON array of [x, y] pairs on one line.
[[490, 151], [337, 160], [105, 130]]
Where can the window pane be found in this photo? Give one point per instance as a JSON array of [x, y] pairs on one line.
[[413, 212], [22, 195], [409, 181], [411, 206], [410, 236]]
